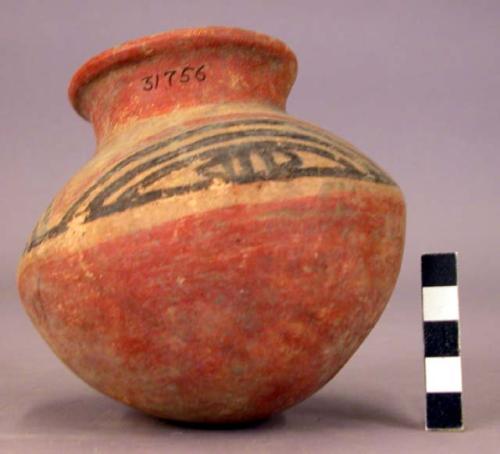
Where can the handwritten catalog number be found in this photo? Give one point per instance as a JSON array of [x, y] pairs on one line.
[[171, 77]]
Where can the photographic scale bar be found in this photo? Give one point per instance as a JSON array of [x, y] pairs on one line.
[[443, 366]]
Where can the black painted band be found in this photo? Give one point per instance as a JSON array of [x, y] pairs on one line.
[[213, 152]]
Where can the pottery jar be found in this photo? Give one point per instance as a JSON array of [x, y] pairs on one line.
[[217, 260]]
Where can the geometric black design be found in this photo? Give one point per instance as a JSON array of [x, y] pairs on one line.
[[444, 411], [266, 149], [441, 339]]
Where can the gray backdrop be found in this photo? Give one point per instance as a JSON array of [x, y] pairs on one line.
[[415, 84]]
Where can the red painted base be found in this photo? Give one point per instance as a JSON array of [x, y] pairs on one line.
[[228, 315]]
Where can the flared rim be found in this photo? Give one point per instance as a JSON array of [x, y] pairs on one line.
[[189, 38]]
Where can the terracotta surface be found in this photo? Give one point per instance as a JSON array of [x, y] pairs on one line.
[[217, 260]]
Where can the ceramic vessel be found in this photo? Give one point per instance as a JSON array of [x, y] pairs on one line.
[[217, 260]]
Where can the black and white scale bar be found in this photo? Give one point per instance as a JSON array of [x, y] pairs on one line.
[[443, 367]]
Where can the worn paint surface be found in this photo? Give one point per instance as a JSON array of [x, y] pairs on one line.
[[217, 261]]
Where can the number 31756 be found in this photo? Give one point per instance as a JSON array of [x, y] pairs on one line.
[[173, 76]]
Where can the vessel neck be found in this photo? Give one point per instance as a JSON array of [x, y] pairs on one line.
[[126, 136], [180, 70]]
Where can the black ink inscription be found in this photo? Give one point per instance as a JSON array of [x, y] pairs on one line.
[[264, 150], [171, 76]]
